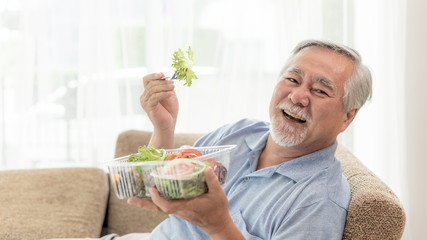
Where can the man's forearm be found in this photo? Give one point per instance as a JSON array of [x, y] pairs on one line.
[[163, 139]]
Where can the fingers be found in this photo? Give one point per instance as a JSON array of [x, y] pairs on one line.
[[153, 76], [212, 181], [156, 90], [153, 83], [161, 202], [143, 203], [158, 85], [155, 94]]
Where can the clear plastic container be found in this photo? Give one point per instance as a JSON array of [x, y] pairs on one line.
[[131, 179], [180, 178]]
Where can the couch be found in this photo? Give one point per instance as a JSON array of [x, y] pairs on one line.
[[79, 202]]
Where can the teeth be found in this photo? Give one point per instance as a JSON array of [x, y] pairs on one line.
[[294, 116]]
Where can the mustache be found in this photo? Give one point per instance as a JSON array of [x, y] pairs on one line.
[[294, 110]]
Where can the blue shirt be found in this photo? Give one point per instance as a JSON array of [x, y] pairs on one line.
[[305, 198]]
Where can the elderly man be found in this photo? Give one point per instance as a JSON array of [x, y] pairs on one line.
[[284, 181]]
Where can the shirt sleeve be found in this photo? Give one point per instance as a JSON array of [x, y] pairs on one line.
[[321, 220]]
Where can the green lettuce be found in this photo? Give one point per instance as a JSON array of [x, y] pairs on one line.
[[183, 66], [148, 153], [144, 179]]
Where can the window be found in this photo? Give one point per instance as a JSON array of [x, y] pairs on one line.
[[70, 72]]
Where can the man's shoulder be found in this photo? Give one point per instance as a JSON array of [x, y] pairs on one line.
[[247, 124], [234, 132]]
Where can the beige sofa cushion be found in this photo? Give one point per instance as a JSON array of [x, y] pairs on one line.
[[124, 218], [66, 202], [375, 212]]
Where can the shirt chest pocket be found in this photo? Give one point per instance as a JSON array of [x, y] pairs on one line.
[[240, 223]]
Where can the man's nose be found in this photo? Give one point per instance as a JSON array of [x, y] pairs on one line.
[[300, 96]]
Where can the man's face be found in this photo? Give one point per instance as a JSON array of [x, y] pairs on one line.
[[306, 108]]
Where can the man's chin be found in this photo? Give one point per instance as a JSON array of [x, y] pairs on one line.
[[285, 135], [286, 142], [287, 139]]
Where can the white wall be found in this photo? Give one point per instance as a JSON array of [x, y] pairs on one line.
[[416, 119]]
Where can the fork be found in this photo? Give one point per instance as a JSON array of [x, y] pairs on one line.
[[173, 77]]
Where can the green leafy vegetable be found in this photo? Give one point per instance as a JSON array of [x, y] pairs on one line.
[[145, 181], [178, 189], [148, 154], [183, 66], [181, 178]]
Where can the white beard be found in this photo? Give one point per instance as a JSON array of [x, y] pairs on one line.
[[285, 135]]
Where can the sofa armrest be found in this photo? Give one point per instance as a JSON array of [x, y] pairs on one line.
[[52, 203], [374, 212]]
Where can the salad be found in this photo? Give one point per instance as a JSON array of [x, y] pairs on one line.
[[152, 159], [181, 180], [219, 169], [148, 154]]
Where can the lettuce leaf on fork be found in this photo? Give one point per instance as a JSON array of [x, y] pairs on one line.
[[183, 66]]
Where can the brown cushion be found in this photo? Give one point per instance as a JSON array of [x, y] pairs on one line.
[[122, 217], [52, 203], [374, 212]]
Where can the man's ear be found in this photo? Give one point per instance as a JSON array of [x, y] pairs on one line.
[[349, 116]]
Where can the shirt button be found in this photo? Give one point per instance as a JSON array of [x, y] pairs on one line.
[[246, 179]]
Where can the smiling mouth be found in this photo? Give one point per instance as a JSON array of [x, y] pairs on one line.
[[293, 117]]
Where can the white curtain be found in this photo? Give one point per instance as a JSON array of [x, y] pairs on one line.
[[71, 71], [379, 136]]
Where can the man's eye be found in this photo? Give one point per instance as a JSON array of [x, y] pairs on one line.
[[321, 92], [292, 80]]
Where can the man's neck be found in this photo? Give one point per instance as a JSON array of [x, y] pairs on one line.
[[274, 154]]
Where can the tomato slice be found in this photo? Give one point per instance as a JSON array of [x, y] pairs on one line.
[[174, 155], [191, 151], [180, 169], [189, 155], [185, 153]]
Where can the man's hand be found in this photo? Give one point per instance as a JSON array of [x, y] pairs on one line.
[[159, 101], [161, 105], [209, 211], [144, 203]]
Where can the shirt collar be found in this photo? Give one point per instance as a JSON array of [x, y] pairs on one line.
[[297, 168], [257, 141], [309, 164]]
